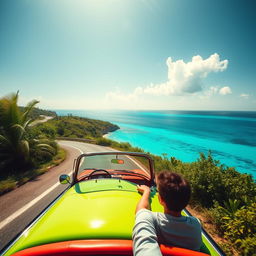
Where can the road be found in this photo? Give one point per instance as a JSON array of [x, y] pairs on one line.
[[38, 121], [20, 206]]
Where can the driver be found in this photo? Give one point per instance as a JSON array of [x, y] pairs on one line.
[[170, 227]]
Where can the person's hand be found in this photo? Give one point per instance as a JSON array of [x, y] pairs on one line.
[[143, 189], [144, 200]]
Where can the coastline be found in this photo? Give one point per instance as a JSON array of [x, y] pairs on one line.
[[230, 136]]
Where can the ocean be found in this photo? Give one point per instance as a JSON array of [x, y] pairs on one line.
[[229, 135]]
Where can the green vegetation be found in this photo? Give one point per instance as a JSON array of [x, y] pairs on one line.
[[15, 180], [21, 152], [35, 113], [228, 197], [73, 127]]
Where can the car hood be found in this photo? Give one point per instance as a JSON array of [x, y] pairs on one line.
[[94, 209]]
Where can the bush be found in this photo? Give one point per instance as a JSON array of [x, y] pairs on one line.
[[43, 151], [44, 130], [103, 142], [238, 225], [242, 224], [210, 181], [238, 186], [248, 246]]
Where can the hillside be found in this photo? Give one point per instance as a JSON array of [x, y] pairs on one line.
[[75, 127], [36, 112]]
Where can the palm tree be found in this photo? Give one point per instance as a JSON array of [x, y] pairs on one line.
[[14, 144]]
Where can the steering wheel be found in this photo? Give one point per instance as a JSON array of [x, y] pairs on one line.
[[105, 174]]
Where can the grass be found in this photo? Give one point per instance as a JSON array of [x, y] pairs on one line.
[[11, 182]]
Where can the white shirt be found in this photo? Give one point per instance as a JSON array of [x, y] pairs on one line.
[[152, 228]]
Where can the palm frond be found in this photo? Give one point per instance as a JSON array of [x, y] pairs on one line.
[[4, 141], [9, 113], [24, 147], [28, 109], [46, 147], [27, 123], [18, 130]]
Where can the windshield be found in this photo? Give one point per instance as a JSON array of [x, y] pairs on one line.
[[116, 164]]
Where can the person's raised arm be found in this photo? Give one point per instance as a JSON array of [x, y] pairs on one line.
[[144, 201], [144, 232]]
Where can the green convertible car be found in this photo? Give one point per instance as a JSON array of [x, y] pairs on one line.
[[95, 214]]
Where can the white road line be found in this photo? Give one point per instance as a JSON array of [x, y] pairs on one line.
[[72, 147], [27, 206], [31, 203], [77, 149]]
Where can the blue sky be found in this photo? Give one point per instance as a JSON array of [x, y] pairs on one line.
[[92, 54]]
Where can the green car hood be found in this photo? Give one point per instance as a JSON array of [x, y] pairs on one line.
[[94, 209]]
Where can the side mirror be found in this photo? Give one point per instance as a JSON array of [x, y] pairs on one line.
[[64, 179]]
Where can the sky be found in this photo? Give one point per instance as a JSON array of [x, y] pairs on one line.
[[129, 54]]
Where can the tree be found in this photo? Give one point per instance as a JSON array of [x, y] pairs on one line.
[[15, 141]]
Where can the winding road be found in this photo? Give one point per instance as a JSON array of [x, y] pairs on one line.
[[20, 207]]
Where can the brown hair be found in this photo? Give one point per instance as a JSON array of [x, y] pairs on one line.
[[174, 190]]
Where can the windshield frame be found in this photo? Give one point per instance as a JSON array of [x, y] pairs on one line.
[[150, 160]]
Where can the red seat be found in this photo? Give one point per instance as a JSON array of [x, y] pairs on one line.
[[97, 247]]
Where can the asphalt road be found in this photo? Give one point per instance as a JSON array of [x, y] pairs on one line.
[[19, 207]]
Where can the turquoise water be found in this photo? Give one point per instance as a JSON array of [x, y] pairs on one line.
[[231, 136]]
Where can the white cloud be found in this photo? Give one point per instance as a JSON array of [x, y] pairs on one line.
[[244, 95], [225, 90], [215, 90], [187, 77], [183, 78]]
